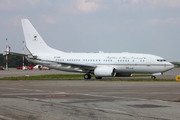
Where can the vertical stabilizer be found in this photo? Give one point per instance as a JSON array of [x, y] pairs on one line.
[[34, 41]]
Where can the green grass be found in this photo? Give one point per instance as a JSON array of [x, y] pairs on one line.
[[81, 77], [141, 75], [47, 77]]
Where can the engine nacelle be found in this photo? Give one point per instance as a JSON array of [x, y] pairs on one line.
[[123, 74], [104, 71]]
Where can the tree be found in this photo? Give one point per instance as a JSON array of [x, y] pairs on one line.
[[13, 61], [1, 59]]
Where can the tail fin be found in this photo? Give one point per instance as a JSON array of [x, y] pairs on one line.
[[34, 41]]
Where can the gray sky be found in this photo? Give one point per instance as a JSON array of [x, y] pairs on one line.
[[139, 26]]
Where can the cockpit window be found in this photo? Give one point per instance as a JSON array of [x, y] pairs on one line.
[[161, 60]]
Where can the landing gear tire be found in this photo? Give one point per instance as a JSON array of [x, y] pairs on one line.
[[98, 77], [153, 77], [87, 76]]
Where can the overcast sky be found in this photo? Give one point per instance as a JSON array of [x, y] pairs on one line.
[[138, 26]]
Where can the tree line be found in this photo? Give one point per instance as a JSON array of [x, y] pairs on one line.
[[13, 61]]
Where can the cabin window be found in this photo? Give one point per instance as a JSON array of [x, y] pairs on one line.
[[161, 60]]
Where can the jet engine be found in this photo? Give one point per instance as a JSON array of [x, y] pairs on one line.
[[104, 71]]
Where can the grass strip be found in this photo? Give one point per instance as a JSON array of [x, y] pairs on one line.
[[81, 77], [47, 77]]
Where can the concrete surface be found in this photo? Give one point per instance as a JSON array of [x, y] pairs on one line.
[[88, 100]]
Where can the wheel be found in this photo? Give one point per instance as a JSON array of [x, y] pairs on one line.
[[153, 77], [98, 77], [87, 76]]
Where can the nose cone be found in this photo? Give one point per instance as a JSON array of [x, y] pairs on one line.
[[170, 66]]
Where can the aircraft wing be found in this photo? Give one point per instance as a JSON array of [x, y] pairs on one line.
[[74, 65], [78, 65]]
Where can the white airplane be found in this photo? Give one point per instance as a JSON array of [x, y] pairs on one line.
[[100, 64]]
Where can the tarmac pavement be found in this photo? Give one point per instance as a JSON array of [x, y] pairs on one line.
[[88, 100]]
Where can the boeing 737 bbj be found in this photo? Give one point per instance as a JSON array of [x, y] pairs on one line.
[[100, 64]]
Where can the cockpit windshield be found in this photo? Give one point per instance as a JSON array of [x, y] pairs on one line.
[[161, 60]]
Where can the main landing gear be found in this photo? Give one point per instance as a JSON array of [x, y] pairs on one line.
[[87, 76], [153, 77]]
